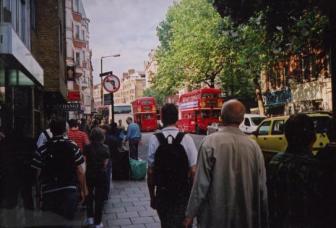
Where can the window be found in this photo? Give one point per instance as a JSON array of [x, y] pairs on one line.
[[84, 56], [122, 109], [83, 35], [257, 120], [7, 17], [278, 127], [77, 31], [247, 122], [23, 21], [264, 128], [33, 14], [77, 58], [75, 5]]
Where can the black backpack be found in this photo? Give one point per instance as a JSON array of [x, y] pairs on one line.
[[171, 166], [58, 163]]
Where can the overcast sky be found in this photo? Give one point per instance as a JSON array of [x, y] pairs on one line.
[[125, 27]]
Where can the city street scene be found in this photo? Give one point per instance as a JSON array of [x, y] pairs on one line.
[[168, 113]]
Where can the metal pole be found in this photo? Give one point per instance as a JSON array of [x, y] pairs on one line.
[[101, 82], [112, 108]]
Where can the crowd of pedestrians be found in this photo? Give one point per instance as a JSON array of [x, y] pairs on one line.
[[225, 183], [69, 164], [232, 187]]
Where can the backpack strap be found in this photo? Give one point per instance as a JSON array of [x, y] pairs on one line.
[[179, 137], [161, 138], [46, 135]]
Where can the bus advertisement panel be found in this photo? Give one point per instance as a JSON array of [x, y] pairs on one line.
[[144, 112], [198, 109]]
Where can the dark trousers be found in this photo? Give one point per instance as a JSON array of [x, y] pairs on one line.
[[108, 177], [133, 147], [63, 202], [97, 188], [171, 209]]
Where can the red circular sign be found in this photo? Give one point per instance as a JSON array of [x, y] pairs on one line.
[[111, 83]]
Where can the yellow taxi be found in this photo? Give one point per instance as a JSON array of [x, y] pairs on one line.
[[271, 139]]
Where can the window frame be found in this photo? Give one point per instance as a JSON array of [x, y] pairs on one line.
[[269, 126], [273, 132]]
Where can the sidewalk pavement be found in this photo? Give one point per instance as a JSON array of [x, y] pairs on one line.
[[129, 206]]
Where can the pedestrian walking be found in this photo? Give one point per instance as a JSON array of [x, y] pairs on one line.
[[44, 137], [120, 125], [18, 177], [294, 178], [97, 156], [172, 159], [79, 137], [133, 137], [60, 166], [229, 189], [83, 126]]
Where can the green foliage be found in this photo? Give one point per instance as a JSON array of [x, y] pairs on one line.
[[159, 97], [191, 49], [197, 45]]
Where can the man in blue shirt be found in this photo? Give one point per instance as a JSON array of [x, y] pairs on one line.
[[133, 137]]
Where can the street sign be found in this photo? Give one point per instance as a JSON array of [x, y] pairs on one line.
[[68, 107], [106, 74], [111, 83], [107, 99]]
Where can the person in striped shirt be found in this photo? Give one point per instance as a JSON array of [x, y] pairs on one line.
[[60, 168]]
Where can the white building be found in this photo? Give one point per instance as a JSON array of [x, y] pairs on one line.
[[78, 55]]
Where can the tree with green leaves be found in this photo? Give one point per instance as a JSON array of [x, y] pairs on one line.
[[192, 49]]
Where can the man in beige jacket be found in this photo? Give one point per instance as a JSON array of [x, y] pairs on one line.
[[230, 183]]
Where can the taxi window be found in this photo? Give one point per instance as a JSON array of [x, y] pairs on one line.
[[264, 128], [278, 127], [247, 122]]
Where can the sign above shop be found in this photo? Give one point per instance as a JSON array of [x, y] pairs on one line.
[[68, 107], [73, 96]]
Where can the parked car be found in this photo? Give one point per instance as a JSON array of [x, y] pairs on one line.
[[251, 123], [271, 139]]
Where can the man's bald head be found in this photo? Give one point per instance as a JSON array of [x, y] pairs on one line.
[[233, 112]]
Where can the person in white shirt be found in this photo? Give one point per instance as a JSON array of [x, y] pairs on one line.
[[172, 155]]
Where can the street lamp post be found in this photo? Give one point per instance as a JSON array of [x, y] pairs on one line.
[[101, 78]]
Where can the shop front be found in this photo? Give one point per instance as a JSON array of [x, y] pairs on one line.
[[21, 84]]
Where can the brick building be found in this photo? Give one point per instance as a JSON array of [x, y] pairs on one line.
[[48, 45]]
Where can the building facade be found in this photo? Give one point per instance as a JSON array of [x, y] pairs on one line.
[[96, 97], [48, 45], [301, 84], [21, 76], [78, 58], [132, 86], [151, 67]]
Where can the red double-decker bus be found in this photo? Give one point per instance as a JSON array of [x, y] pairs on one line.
[[144, 112], [198, 109]]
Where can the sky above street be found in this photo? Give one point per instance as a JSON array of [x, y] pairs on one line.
[[125, 27]]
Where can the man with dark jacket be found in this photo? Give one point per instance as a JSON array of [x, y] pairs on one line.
[[60, 166]]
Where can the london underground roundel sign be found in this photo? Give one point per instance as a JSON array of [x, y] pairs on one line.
[[111, 83]]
